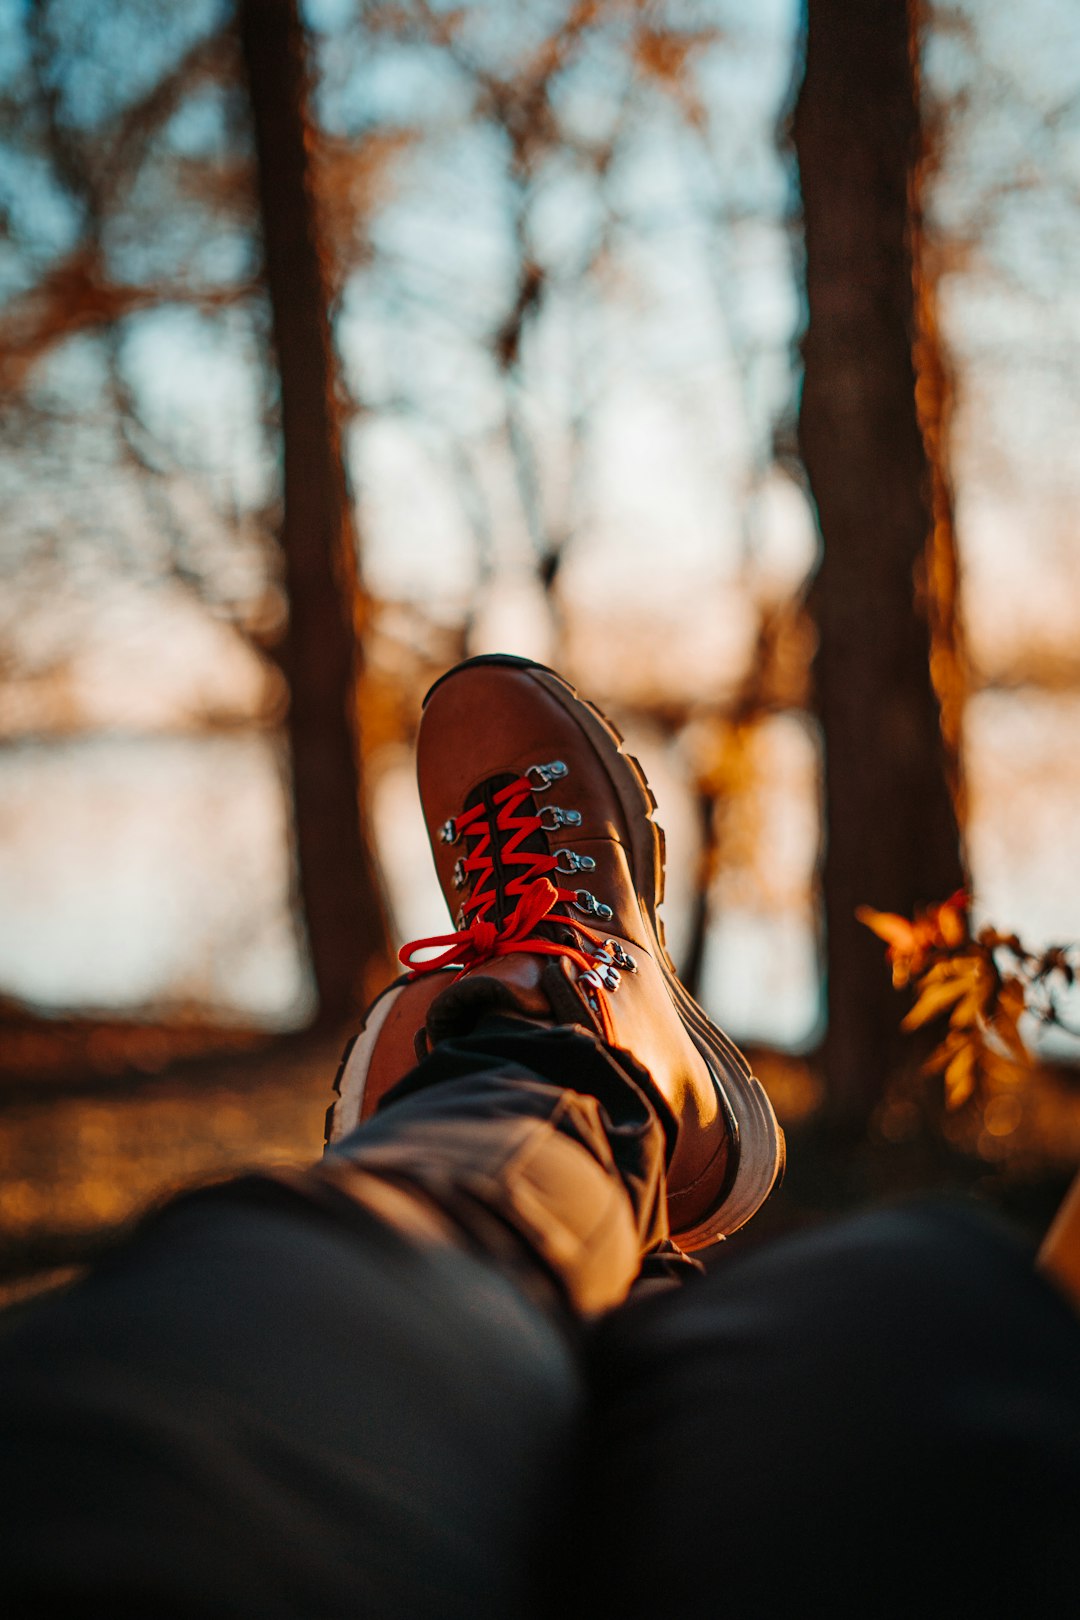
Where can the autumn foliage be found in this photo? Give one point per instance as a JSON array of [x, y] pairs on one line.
[[982, 983]]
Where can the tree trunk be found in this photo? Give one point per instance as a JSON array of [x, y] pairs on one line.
[[885, 595], [339, 888]]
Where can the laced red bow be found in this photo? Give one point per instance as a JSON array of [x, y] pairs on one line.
[[481, 940]]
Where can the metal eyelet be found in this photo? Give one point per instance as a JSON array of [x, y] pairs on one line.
[[574, 862], [542, 776], [459, 920], [552, 817], [591, 906], [448, 833], [620, 957], [459, 872], [603, 978]]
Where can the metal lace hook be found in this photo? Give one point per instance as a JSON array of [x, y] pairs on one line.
[[541, 777], [552, 817], [574, 862]]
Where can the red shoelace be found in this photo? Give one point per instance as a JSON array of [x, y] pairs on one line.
[[537, 896]]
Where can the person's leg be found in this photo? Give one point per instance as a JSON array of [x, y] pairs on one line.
[[256, 1413], [881, 1417], [355, 1393], [197, 1398]]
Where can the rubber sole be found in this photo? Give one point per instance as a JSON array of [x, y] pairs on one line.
[[760, 1141], [343, 1115]]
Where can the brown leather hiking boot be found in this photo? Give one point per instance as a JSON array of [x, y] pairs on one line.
[[545, 847]]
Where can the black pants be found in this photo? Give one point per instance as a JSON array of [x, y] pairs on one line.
[[404, 1385]]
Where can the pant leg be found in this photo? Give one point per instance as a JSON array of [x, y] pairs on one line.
[[545, 1148], [879, 1418], [360, 1393], [256, 1412]]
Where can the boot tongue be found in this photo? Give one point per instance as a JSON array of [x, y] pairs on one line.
[[535, 987], [534, 843]]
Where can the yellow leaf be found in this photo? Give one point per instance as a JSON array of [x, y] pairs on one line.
[[942, 1054], [951, 919], [888, 926], [969, 968], [1011, 996], [944, 970], [960, 1076], [979, 989], [934, 999], [1005, 1018]]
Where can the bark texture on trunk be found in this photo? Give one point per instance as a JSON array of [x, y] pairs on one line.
[[339, 888], [876, 475]]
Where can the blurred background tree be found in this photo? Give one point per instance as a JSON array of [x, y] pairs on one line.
[[871, 439], [340, 896], [669, 344]]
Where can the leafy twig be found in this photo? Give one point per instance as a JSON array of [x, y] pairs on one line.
[[984, 982]]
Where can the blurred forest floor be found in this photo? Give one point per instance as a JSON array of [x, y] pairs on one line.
[[84, 1151]]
